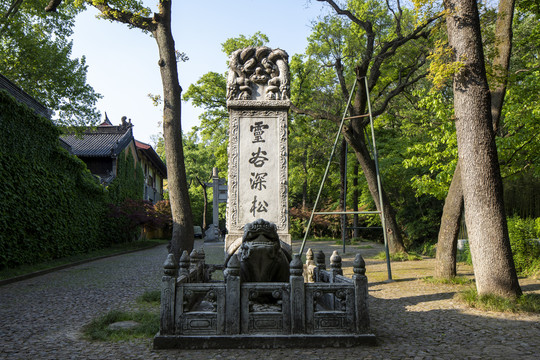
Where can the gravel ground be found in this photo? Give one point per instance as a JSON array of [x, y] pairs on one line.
[[41, 318]]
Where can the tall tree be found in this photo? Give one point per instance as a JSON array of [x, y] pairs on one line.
[[36, 55], [453, 207], [370, 43], [480, 175], [134, 14]]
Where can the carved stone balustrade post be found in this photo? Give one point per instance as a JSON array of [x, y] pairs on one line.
[[168, 284], [321, 265], [361, 294], [232, 301], [298, 297], [335, 265], [184, 265]]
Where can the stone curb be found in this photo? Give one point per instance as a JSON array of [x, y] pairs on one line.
[[65, 266]]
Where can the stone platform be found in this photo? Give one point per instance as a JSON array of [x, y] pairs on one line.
[[262, 341]]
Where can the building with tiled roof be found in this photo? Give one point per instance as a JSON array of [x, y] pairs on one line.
[[101, 146]]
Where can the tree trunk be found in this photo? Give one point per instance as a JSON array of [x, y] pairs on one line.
[[205, 204], [304, 184], [480, 174], [445, 267], [357, 143], [355, 196], [450, 220], [501, 63], [182, 236]]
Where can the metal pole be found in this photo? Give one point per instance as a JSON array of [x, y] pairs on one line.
[[327, 168], [379, 187], [344, 230]]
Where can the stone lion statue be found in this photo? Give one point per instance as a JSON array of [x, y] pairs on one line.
[[261, 256]]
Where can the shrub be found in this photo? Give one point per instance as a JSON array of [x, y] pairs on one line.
[[525, 249]]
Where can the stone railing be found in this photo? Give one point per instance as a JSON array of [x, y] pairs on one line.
[[197, 312]]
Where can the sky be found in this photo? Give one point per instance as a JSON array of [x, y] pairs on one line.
[[122, 62]]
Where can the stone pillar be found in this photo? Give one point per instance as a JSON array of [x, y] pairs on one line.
[[335, 265], [361, 294], [232, 296], [298, 297], [258, 104], [168, 290]]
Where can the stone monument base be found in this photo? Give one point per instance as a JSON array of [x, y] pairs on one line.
[[261, 341]]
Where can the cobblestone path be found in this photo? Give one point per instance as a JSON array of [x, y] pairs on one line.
[[41, 318]]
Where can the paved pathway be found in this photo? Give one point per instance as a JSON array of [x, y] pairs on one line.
[[40, 318]]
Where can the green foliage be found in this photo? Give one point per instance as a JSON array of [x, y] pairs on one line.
[[51, 204], [127, 186], [434, 156], [129, 180], [36, 55], [465, 255], [525, 303], [411, 256], [525, 249], [240, 42]]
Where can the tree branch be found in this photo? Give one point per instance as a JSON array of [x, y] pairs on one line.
[[13, 8], [316, 114], [368, 28], [395, 92], [388, 49], [124, 16]]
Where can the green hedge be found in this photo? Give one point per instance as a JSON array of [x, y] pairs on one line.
[[128, 184], [51, 204], [526, 250]]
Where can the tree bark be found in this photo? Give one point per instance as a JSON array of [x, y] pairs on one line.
[[450, 221], [205, 204], [445, 266], [356, 231], [480, 174], [182, 236], [501, 63]]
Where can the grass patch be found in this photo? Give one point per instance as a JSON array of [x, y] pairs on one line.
[[147, 317], [456, 280], [365, 247], [115, 249], [411, 256], [151, 297], [98, 329], [525, 303]]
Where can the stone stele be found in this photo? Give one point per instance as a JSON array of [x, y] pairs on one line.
[[258, 104]]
